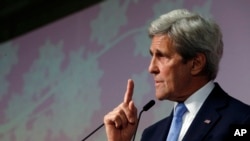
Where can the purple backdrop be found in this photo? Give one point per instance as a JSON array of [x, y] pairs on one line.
[[58, 82]]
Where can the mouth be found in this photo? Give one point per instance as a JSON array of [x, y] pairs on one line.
[[158, 82]]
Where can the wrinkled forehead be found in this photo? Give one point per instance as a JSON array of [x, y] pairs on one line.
[[162, 42]]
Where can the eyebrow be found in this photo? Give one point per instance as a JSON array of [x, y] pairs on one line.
[[157, 52]]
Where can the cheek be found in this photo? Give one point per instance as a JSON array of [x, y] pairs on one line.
[[168, 73], [182, 77], [174, 76]]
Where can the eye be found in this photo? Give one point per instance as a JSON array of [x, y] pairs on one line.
[[159, 54]]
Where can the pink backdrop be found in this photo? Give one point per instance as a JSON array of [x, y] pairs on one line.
[[57, 82]]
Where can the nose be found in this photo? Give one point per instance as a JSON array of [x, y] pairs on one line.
[[153, 68]]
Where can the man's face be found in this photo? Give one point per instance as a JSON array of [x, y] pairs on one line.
[[172, 77]]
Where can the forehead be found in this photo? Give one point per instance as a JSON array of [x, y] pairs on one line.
[[162, 42]]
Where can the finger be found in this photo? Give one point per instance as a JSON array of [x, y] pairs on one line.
[[117, 118], [123, 119], [129, 92], [133, 112], [130, 111], [112, 119]]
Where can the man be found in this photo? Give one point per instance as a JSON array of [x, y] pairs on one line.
[[186, 50]]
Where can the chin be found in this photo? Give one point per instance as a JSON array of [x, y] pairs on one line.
[[160, 96]]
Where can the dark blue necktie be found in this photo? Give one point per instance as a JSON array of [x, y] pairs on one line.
[[176, 124]]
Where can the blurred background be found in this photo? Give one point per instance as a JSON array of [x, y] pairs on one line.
[[65, 64]]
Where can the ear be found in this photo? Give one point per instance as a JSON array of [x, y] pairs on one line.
[[199, 62]]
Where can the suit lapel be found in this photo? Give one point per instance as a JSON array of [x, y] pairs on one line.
[[164, 129], [207, 116]]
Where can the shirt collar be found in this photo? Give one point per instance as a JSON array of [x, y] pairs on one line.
[[194, 102]]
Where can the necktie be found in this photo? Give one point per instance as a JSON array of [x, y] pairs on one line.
[[176, 124]]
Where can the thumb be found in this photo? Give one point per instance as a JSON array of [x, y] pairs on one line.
[[133, 109]]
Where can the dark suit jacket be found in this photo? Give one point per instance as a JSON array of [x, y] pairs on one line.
[[213, 122]]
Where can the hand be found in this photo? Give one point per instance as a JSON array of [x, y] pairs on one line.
[[120, 124]]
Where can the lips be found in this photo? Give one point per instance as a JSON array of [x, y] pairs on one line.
[[158, 82]]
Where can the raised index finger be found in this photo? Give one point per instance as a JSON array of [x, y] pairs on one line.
[[129, 92]]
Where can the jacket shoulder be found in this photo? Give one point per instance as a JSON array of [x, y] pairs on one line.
[[157, 130]]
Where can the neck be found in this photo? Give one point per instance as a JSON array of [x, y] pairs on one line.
[[192, 88]]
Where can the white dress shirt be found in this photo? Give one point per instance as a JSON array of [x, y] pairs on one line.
[[193, 104]]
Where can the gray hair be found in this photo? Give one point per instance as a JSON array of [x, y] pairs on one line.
[[191, 34]]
